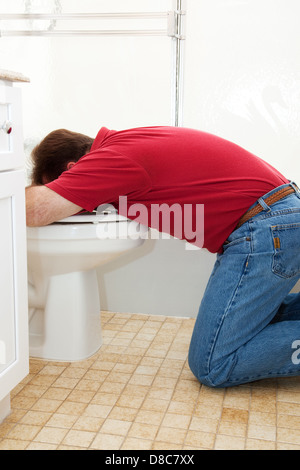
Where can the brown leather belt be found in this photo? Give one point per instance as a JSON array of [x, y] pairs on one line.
[[280, 194]]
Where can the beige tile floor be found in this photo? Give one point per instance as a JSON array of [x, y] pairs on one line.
[[137, 393]]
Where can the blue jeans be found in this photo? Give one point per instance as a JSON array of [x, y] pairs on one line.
[[248, 326]]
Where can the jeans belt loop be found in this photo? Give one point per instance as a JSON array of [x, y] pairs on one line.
[[263, 204], [295, 187]]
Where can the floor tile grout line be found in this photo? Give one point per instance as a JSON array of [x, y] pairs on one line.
[[46, 363], [70, 391], [192, 415], [276, 417], [136, 365], [170, 399], [173, 391], [164, 413], [219, 423], [128, 431], [89, 366], [249, 410]]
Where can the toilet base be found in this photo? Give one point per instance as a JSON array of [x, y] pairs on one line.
[[68, 328]]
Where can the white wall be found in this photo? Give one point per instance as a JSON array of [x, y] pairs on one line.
[[242, 82], [84, 83], [242, 76]]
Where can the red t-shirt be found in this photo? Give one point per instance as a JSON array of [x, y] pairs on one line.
[[153, 166]]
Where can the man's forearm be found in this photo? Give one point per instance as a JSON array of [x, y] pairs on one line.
[[31, 205], [44, 206]]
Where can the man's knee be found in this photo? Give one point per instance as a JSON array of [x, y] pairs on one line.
[[198, 366], [217, 376]]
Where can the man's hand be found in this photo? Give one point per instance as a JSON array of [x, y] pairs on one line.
[[44, 206]]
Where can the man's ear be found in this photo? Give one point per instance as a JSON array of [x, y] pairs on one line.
[[70, 165]]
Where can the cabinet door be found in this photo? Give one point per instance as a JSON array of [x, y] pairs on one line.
[[11, 139], [13, 282], [7, 304]]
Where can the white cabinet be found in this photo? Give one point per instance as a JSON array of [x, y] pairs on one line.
[[13, 261], [11, 143]]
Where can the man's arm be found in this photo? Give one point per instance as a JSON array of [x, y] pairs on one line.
[[44, 206]]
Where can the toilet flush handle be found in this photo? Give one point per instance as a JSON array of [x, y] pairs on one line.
[[7, 127]]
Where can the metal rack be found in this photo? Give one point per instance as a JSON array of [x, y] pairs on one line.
[[170, 30]]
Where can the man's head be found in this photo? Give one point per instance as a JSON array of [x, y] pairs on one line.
[[56, 154]]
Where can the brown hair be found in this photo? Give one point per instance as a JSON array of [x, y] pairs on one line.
[[51, 156]]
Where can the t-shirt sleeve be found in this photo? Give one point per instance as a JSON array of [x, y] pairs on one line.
[[100, 177]]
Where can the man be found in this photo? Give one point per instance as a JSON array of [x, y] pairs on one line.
[[248, 326]]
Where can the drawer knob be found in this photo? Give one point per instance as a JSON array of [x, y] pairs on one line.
[[7, 127]]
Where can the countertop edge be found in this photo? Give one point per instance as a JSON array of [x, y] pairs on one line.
[[12, 76]]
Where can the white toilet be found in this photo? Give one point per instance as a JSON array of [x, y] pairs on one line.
[[64, 304]]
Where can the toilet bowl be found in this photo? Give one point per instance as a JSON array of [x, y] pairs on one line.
[[64, 304]]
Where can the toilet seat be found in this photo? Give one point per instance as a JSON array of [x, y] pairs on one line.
[[94, 217], [100, 224]]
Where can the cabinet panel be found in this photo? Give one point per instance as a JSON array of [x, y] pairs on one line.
[[13, 282], [7, 307], [11, 138], [5, 136]]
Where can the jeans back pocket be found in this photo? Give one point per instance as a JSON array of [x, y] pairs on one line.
[[286, 243]]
